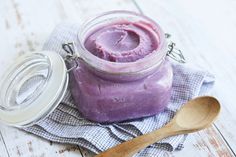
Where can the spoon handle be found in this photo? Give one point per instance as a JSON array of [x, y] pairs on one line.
[[129, 148]]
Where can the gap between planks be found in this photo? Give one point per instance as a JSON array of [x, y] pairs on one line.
[[4, 144], [223, 138]]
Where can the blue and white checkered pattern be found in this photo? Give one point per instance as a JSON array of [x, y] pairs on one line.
[[67, 125]]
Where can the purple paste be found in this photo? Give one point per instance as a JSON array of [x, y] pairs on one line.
[[122, 42]]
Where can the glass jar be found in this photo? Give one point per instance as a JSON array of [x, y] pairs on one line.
[[103, 91], [106, 91]]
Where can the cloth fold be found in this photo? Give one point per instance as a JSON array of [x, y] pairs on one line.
[[67, 125]]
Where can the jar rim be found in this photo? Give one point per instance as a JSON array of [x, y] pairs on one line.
[[150, 61]]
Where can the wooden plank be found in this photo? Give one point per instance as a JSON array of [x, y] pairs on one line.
[[204, 143], [24, 144], [79, 10], [24, 28], [205, 31]]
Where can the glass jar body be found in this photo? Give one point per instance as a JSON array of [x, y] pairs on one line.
[[103, 100]]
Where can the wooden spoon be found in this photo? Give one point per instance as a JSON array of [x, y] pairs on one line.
[[195, 115]]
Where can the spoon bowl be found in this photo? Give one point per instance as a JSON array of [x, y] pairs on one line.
[[195, 115]]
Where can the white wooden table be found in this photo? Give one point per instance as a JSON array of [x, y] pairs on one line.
[[204, 30]]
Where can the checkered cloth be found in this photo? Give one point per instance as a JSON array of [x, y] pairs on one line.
[[67, 125]]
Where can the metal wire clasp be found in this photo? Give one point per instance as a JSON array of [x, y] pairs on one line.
[[71, 54], [173, 52]]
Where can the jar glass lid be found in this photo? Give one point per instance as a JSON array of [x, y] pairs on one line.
[[32, 88]]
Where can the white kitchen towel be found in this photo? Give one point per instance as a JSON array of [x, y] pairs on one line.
[[67, 125]]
